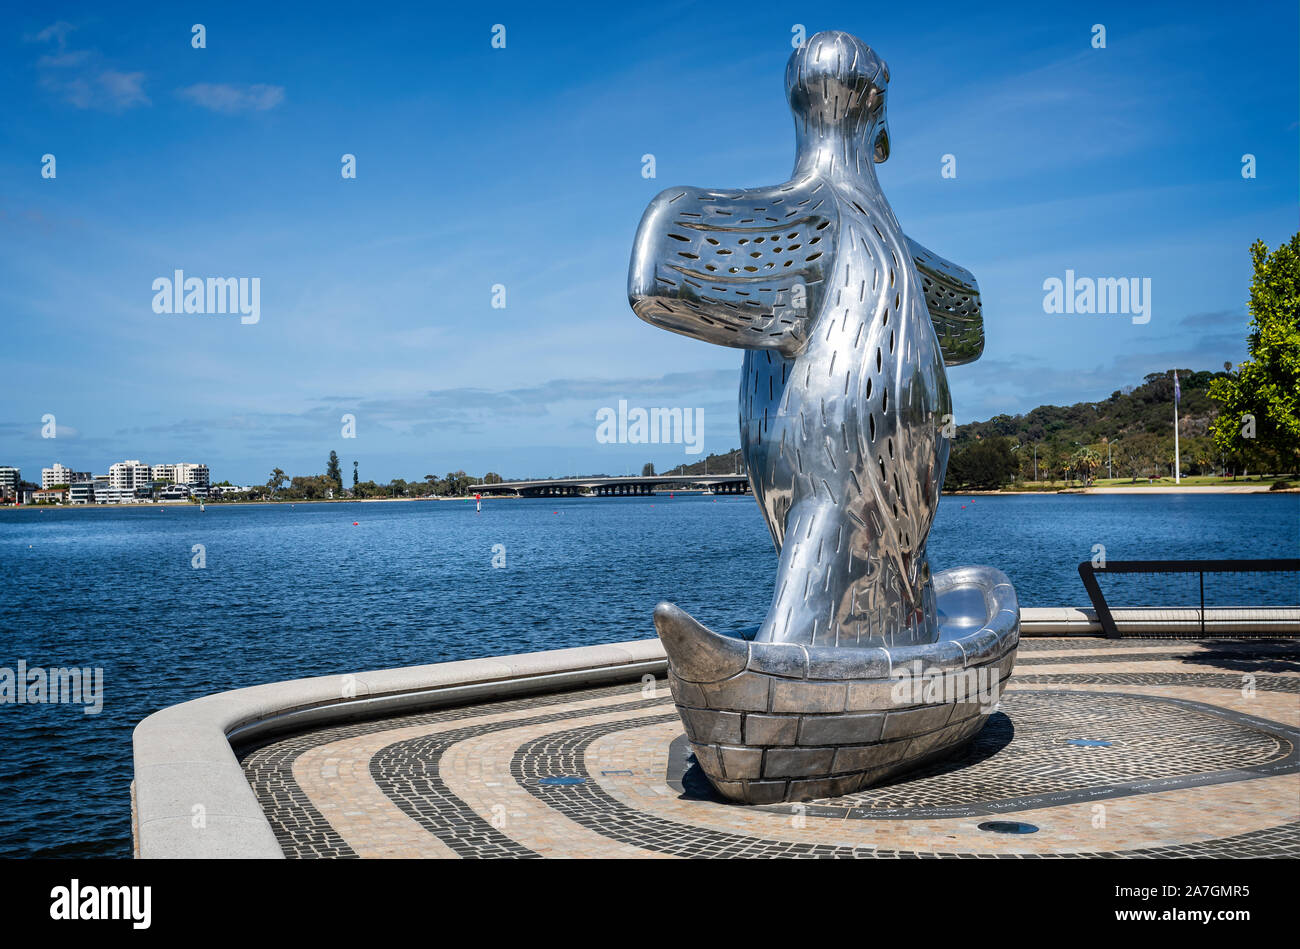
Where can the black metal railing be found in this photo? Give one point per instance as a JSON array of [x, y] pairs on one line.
[[1088, 573]]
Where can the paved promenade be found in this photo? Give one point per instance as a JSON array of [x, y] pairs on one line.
[[1133, 748]]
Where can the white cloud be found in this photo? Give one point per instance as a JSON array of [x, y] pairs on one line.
[[78, 77], [232, 99]]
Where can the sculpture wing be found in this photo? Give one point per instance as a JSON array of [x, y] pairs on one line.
[[743, 268], [953, 298], [748, 269]]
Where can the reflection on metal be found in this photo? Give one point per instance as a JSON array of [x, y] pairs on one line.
[[846, 325]]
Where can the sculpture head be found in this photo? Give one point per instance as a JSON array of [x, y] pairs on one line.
[[748, 269], [836, 86]]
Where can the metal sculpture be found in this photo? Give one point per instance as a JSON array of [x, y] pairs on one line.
[[846, 325]]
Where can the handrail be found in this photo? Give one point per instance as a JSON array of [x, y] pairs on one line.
[[1088, 572]]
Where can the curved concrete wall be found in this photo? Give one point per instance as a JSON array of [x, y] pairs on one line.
[[184, 756]]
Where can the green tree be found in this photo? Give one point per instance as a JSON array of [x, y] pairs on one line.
[[309, 487], [354, 477], [1138, 454], [647, 469], [457, 483], [1265, 390], [986, 463], [277, 479], [332, 471], [1086, 462]]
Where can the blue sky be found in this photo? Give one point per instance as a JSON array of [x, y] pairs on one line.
[[522, 166]]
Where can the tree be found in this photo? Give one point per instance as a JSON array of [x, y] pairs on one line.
[[987, 463], [1086, 461], [354, 477], [310, 487], [457, 483], [332, 471], [1139, 454], [492, 478], [277, 479], [647, 469], [1261, 402]]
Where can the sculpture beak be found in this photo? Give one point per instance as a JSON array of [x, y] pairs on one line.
[[697, 653]]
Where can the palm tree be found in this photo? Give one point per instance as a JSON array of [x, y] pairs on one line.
[[1087, 461]]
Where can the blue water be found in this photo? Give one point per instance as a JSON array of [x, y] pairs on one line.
[[292, 591]]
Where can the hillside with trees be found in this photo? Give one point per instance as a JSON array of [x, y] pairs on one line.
[[1230, 422], [1133, 427]]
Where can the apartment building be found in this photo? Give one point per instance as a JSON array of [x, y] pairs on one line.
[[58, 474], [109, 494], [129, 475], [193, 475], [10, 479]]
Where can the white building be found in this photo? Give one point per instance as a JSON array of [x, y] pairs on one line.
[[221, 490], [61, 475], [196, 476], [10, 478], [114, 495], [129, 475]]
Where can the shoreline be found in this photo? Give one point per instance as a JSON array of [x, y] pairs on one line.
[[1261, 487]]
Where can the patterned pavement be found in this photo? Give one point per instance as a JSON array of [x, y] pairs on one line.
[[1132, 748]]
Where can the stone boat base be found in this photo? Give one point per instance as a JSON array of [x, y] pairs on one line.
[[775, 722]]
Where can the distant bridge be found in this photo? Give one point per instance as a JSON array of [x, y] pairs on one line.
[[629, 486]]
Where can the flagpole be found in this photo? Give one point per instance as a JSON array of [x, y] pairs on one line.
[[1178, 468]]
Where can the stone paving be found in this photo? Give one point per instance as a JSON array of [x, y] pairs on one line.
[[1131, 748]]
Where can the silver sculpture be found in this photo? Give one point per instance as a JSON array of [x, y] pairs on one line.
[[846, 325]]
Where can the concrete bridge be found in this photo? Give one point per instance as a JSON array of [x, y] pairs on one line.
[[630, 486]]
